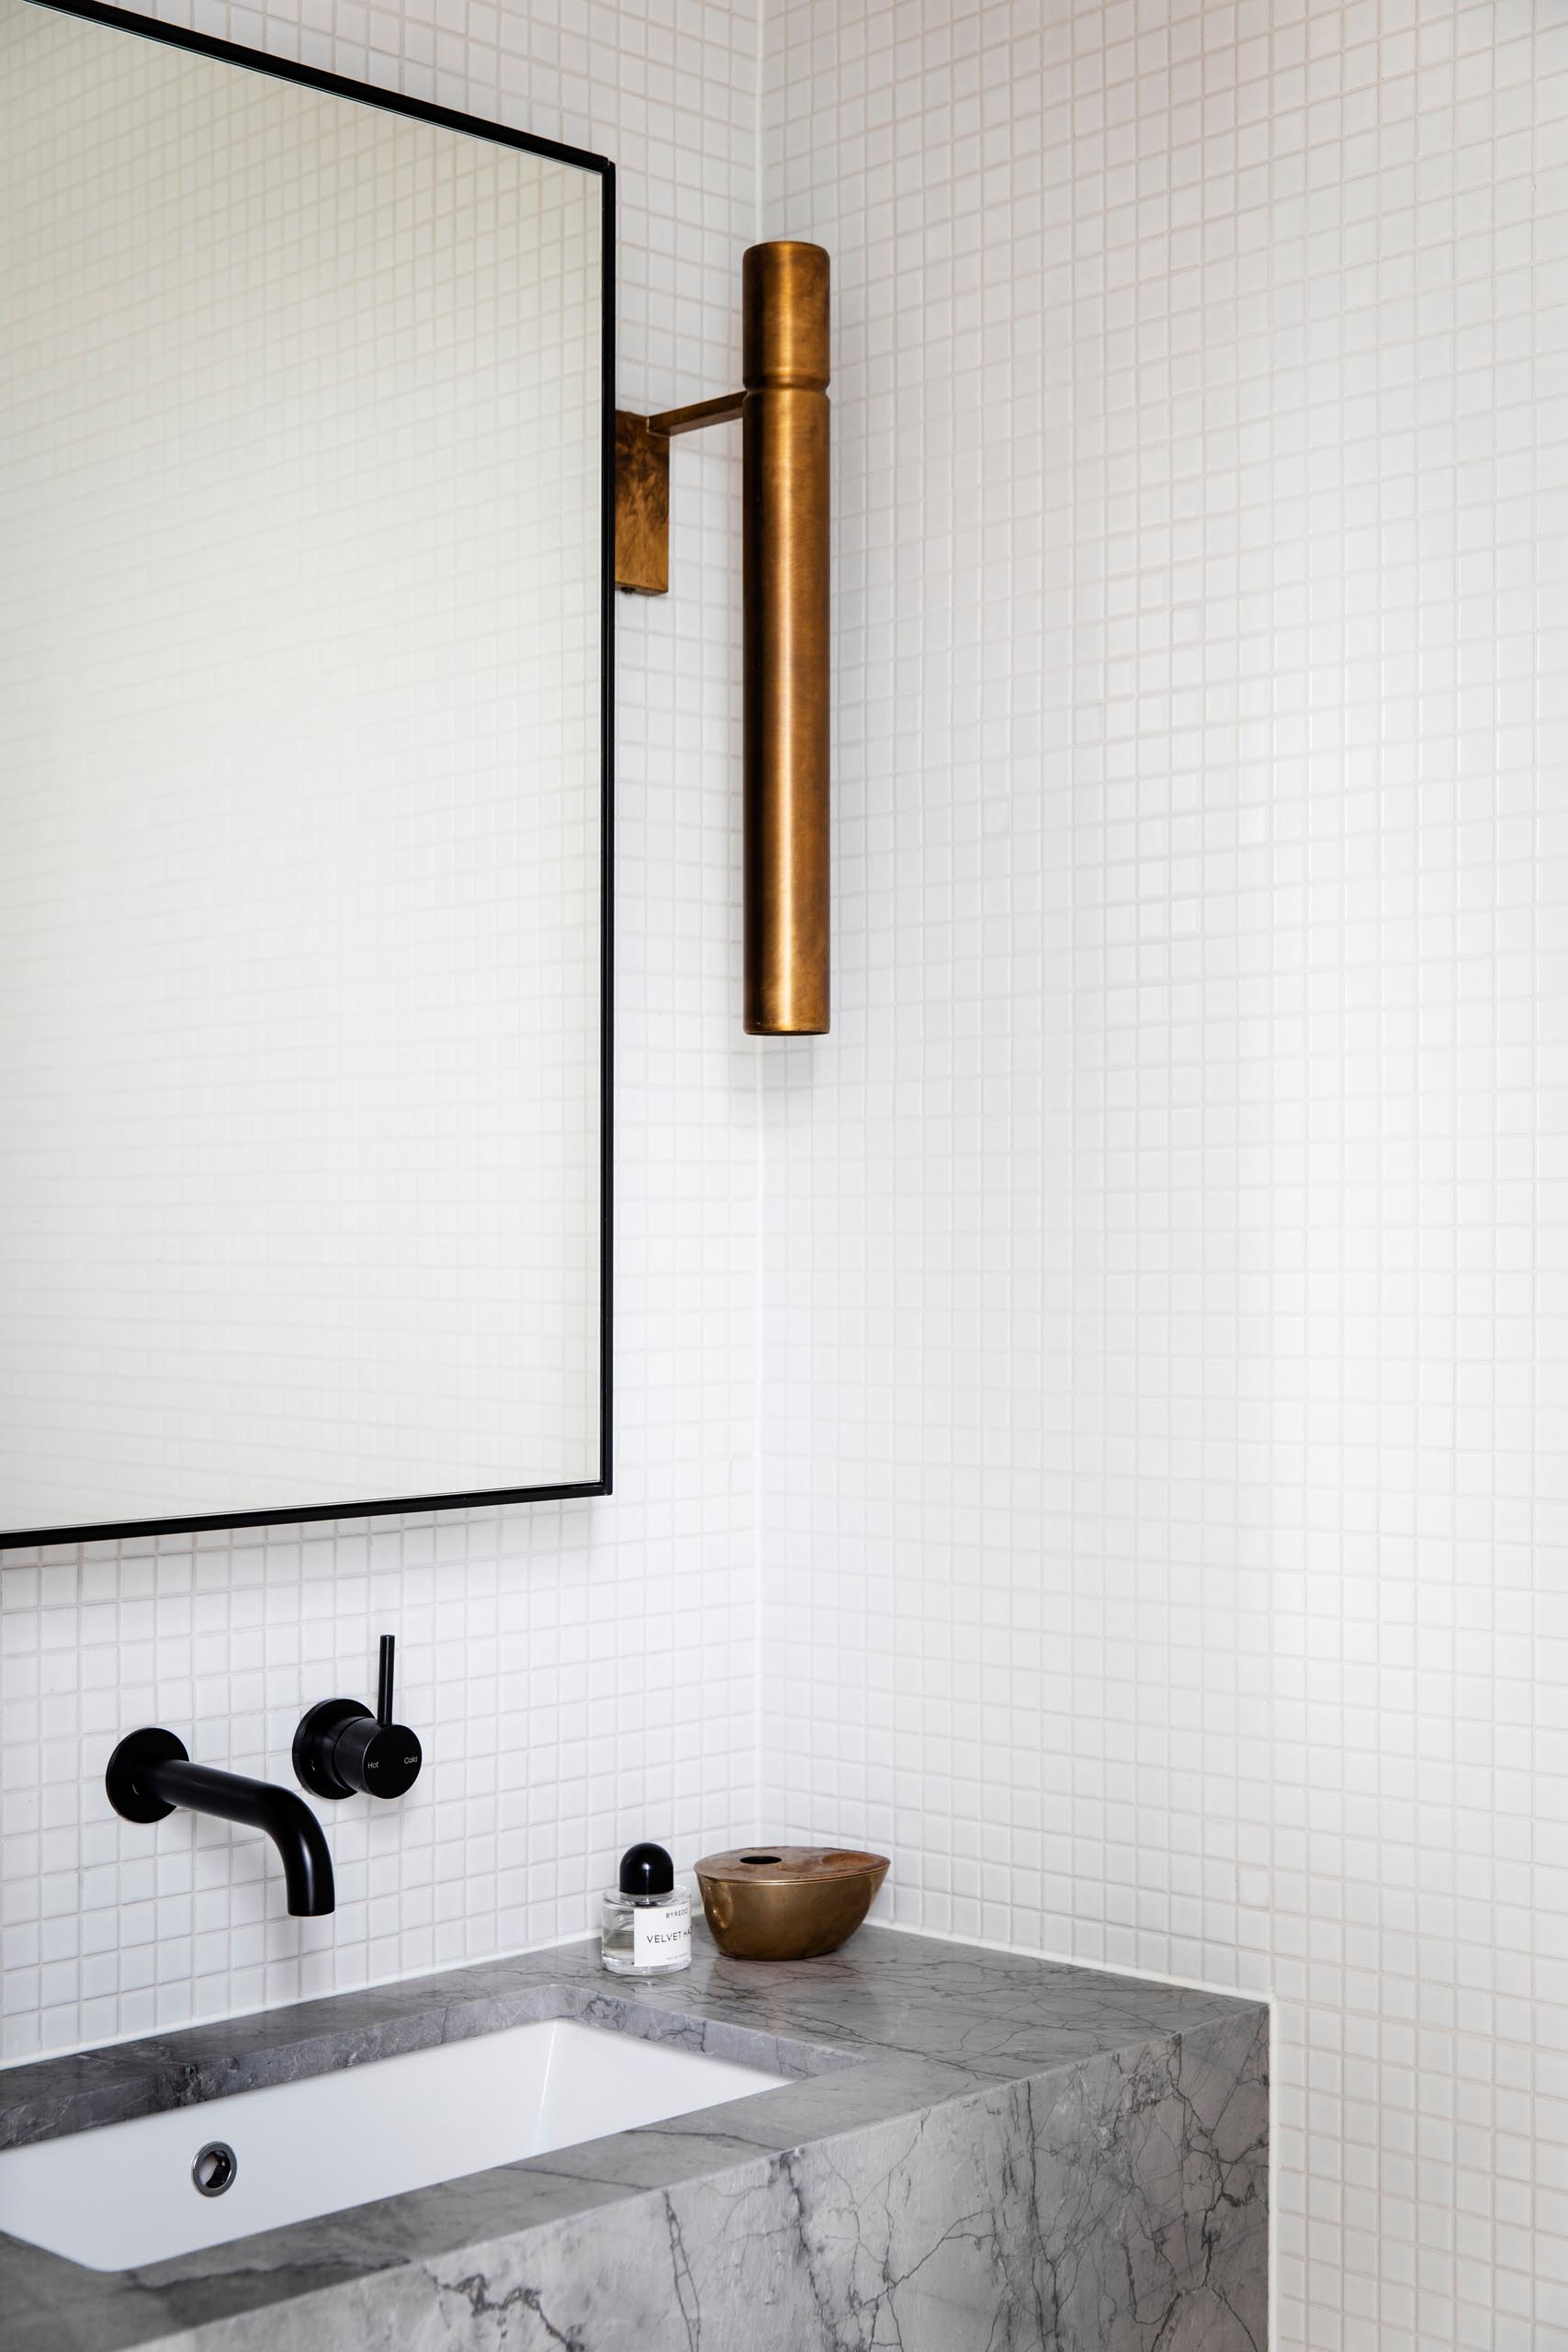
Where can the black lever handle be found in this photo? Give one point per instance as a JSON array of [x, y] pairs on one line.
[[342, 1750]]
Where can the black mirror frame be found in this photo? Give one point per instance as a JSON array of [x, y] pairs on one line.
[[363, 93]]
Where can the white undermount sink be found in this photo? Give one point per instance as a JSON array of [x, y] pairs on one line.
[[127, 2193]]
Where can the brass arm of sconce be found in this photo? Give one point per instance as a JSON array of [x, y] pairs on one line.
[[783, 411]]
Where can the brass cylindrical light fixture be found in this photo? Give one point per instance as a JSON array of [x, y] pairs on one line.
[[783, 413], [785, 420]]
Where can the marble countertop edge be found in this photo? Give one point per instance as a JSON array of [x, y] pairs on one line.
[[893, 2028]]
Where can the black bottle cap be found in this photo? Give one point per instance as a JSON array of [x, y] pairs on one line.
[[647, 1869]]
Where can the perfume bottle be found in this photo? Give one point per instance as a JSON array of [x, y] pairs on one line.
[[646, 1924]]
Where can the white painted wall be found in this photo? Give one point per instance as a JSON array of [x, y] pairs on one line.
[[1164, 1534]]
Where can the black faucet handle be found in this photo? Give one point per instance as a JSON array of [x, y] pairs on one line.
[[340, 1749]]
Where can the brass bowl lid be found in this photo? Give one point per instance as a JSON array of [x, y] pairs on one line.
[[788, 1865]]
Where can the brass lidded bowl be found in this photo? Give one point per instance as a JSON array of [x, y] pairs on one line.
[[787, 1902]]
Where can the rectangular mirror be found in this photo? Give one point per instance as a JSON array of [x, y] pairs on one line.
[[304, 798]]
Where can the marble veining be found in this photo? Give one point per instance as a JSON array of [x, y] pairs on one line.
[[976, 2152]]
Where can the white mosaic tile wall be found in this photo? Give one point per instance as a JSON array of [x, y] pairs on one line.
[[1163, 1537], [581, 1674], [1164, 1540]]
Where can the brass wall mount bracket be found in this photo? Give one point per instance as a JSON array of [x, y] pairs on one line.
[[785, 415], [642, 488]]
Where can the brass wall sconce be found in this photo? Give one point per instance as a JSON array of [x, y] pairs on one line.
[[783, 416]]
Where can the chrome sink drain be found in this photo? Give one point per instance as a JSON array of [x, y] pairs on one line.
[[215, 2167]]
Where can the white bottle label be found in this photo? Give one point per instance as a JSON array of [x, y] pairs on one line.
[[662, 1933]]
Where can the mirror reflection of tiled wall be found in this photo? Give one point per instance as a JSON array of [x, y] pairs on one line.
[[300, 929]]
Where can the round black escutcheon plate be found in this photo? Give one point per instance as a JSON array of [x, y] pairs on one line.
[[150, 1746]]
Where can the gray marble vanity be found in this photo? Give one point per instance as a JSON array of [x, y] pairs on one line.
[[976, 2152]]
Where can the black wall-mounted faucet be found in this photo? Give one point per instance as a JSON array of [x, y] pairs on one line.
[[149, 1774], [341, 1748]]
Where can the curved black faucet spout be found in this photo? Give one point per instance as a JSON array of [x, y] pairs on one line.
[[149, 1774], [286, 1819]]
